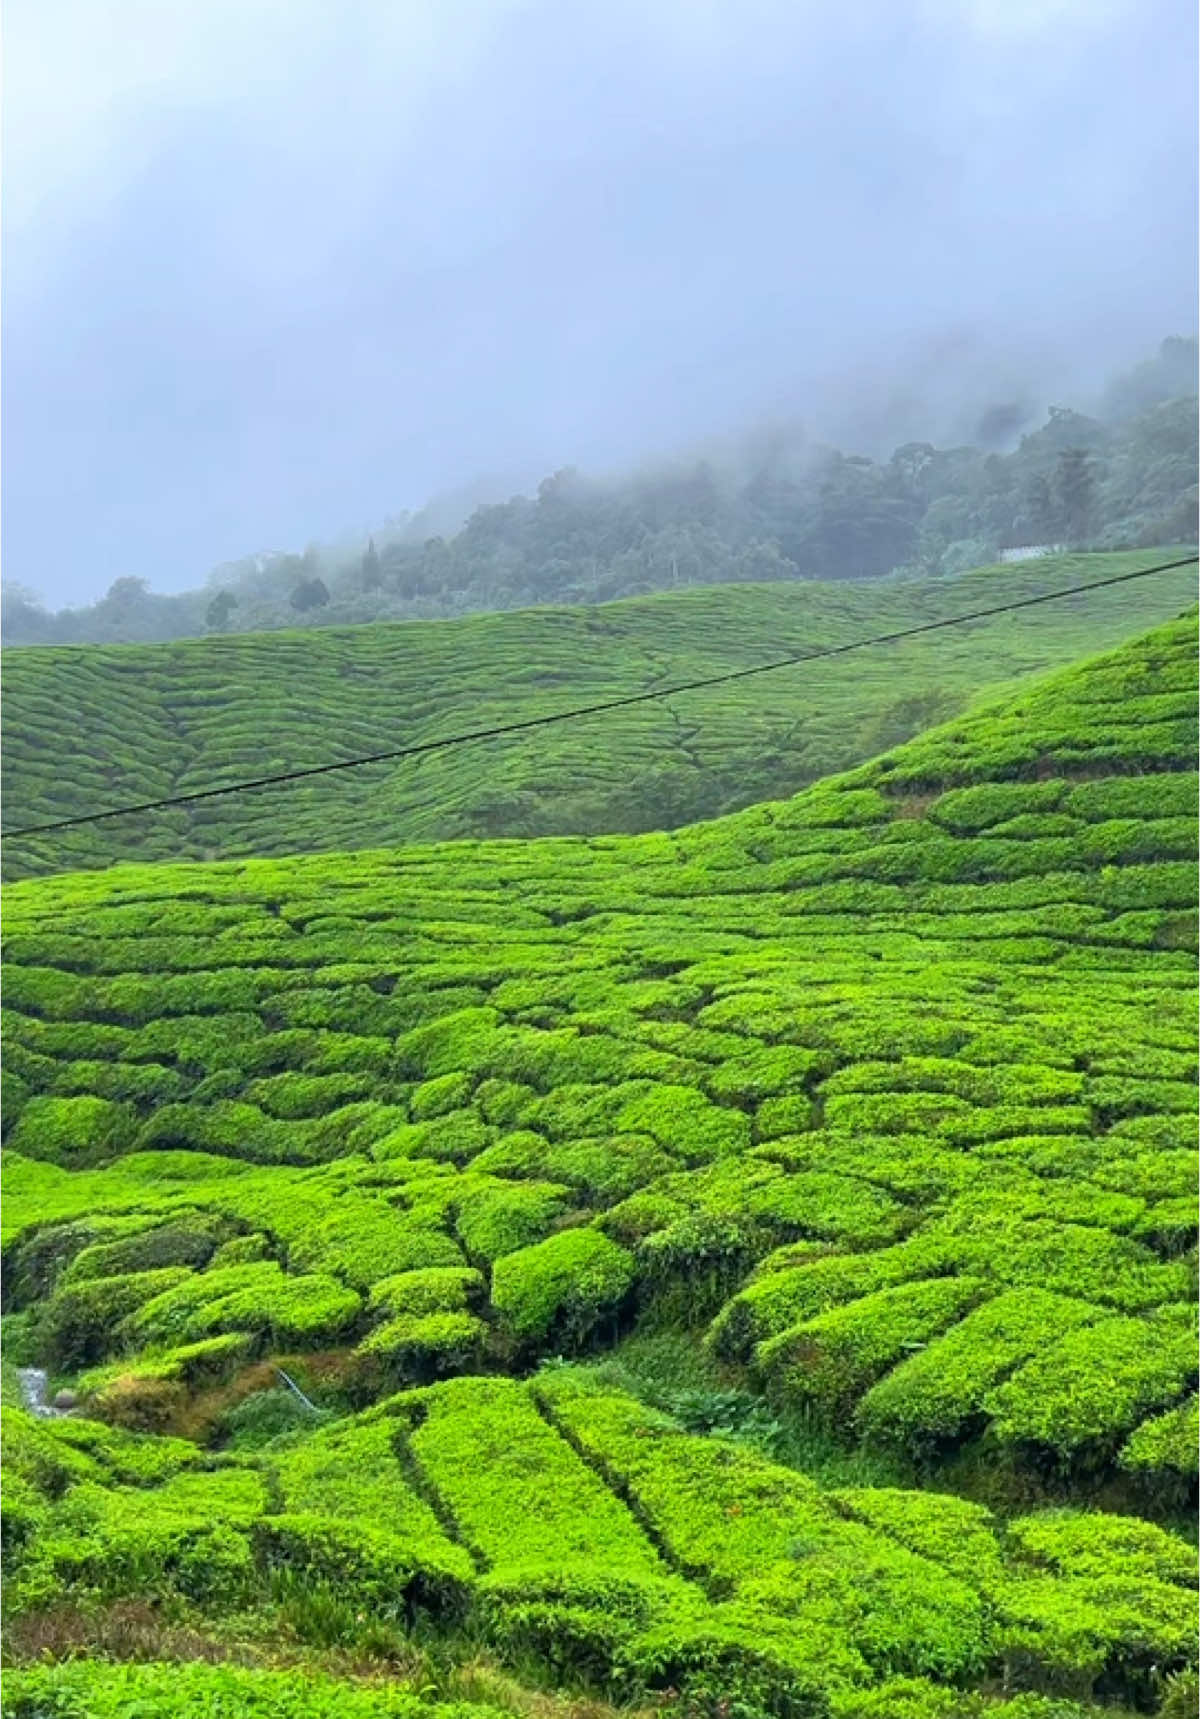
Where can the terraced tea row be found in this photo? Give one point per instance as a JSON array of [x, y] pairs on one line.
[[568, 1526], [93, 727], [888, 1090]]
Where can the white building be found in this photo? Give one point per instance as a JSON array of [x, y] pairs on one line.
[[1031, 551]]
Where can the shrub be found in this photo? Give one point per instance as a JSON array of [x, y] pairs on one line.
[[764, 1536], [769, 1072], [685, 1123], [184, 1537], [73, 1130], [691, 1265], [1166, 1441], [935, 1394], [453, 1137], [1092, 1386], [92, 1689], [831, 1359], [556, 1293], [262, 1417], [436, 1097], [420, 1347], [1085, 1543], [148, 1395], [242, 1250], [36, 1260], [37, 1457], [292, 1096], [798, 1283], [953, 1532], [350, 1471], [518, 1491], [257, 1298], [781, 1116], [497, 1218], [365, 1239], [972, 809], [80, 1324], [189, 1241], [437, 1289]]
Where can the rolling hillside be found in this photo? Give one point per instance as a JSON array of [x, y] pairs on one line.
[[873, 1108], [89, 727]]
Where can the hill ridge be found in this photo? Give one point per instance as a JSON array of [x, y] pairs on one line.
[[695, 755], [812, 1190]]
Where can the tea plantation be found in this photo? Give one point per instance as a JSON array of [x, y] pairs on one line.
[[93, 727], [743, 1271]]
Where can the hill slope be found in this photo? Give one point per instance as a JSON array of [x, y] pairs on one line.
[[92, 727], [882, 1097]]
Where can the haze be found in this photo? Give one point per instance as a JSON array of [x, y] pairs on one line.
[[273, 270]]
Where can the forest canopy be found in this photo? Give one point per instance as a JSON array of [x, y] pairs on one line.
[[778, 507]]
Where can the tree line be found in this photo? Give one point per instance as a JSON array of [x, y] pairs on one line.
[[780, 508]]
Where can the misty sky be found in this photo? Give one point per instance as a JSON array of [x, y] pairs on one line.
[[274, 268]]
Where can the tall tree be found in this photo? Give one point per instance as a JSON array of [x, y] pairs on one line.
[[1075, 487], [216, 616], [310, 594], [372, 577], [1042, 512]]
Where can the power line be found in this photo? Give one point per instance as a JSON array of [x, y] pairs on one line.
[[597, 709]]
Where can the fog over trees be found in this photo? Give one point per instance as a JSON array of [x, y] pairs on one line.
[[772, 505]]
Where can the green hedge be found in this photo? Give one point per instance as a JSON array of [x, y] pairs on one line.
[[78, 1130], [1167, 1441], [830, 1360], [558, 1292], [94, 1690], [938, 1393], [1092, 1386], [259, 1298]]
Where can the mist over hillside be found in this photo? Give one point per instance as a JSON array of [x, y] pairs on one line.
[[771, 504]]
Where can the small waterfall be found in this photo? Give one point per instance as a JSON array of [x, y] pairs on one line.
[[33, 1382]]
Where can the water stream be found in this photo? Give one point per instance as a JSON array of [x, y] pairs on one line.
[[33, 1388]]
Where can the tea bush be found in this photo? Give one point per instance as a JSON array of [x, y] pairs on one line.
[[419, 1347], [256, 1298], [98, 1691], [559, 1291], [1166, 1441], [1093, 1385], [880, 1094], [829, 1360], [73, 1130], [938, 1392], [80, 1323]]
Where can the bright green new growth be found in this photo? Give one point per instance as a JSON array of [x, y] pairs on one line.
[[88, 1691], [560, 1289], [882, 1097]]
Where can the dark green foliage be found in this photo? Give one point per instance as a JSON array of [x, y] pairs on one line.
[[772, 510], [191, 1241], [81, 1323], [264, 1416]]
